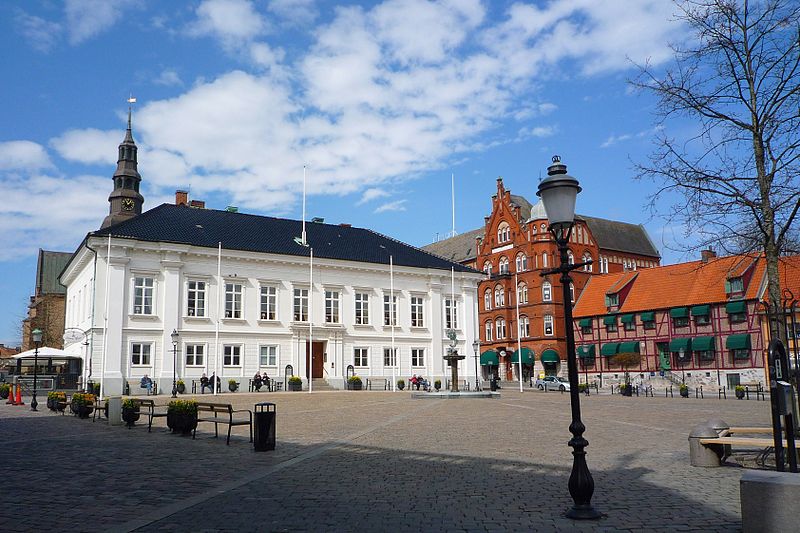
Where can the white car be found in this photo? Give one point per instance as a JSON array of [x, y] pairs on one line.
[[552, 383]]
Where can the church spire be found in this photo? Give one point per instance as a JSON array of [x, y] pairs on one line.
[[125, 201]]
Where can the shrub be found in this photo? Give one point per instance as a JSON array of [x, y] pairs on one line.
[[180, 382], [232, 382], [295, 379], [184, 407], [5, 389], [738, 388], [354, 379], [437, 384], [128, 403], [80, 398], [582, 387], [684, 387]]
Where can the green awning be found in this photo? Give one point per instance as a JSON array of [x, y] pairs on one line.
[[628, 347], [648, 316], [489, 358], [701, 310], [585, 322], [703, 344], [679, 312], [738, 342], [676, 345], [549, 356], [610, 320], [739, 306], [586, 352], [627, 319], [609, 349], [527, 357]]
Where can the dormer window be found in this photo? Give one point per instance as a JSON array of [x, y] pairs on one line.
[[734, 285], [503, 232], [612, 300]]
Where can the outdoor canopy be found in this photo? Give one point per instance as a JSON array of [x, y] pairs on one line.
[[609, 349], [627, 319], [736, 307], [527, 357], [676, 345], [648, 316], [703, 344], [738, 342], [701, 310], [610, 320], [628, 347], [585, 322], [549, 356], [47, 352], [679, 312], [489, 358], [586, 352]]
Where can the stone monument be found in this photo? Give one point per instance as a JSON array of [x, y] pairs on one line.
[[453, 358]]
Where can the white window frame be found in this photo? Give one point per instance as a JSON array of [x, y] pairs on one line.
[[333, 306], [524, 327], [144, 308], [198, 310], [142, 345], [389, 309], [487, 267], [522, 292], [274, 355], [234, 306], [500, 328], [361, 308], [549, 325], [387, 356], [522, 262], [547, 291], [192, 347], [487, 300], [300, 297], [232, 356], [268, 302], [587, 257], [417, 357], [503, 232], [360, 354], [503, 265], [451, 311], [417, 312], [488, 329], [499, 296]]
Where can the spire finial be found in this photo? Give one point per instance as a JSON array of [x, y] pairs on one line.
[[129, 133]]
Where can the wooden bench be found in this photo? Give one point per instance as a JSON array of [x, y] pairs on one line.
[[150, 406], [728, 438], [99, 406], [376, 382], [132, 386], [222, 413]]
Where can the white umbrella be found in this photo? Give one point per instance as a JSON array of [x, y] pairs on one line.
[[46, 351]]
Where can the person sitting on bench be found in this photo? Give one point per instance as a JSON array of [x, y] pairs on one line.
[[204, 383], [257, 382], [265, 379], [147, 383]]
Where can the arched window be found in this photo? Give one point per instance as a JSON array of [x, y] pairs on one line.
[[570, 257], [572, 293], [548, 325], [522, 262], [522, 293], [544, 260], [504, 265], [587, 257], [487, 267], [500, 324], [547, 292], [544, 228], [533, 228], [489, 331], [524, 327], [503, 232], [487, 299], [499, 296]]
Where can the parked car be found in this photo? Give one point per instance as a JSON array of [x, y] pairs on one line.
[[552, 383]]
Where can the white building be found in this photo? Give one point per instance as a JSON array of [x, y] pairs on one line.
[[243, 295]]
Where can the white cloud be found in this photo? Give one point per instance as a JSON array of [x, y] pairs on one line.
[[168, 77], [41, 34], [372, 194], [296, 12], [89, 146], [23, 155], [87, 18], [230, 21], [397, 205]]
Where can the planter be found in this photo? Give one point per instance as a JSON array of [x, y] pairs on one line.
[[4, 393], [130, 415], [83, 411], [356, 386], [50, 404], [233, 386], [183, 423], [740, 394], [401, 385], [684, 393], [61, 405], [181, 388], [295, 385]]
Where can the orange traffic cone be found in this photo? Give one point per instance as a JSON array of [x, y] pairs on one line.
[[10, 400], [19, 395]]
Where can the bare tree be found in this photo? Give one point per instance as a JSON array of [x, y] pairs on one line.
[[737, 174]]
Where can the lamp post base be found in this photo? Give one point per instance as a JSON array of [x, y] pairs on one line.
[[34, 403], [583, 512]]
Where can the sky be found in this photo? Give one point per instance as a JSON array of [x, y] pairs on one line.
[[382, 102]]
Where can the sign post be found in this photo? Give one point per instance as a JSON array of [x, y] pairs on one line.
[[782, 402]]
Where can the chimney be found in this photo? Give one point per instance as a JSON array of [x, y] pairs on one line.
[[181, 197], [707, 254], [345, 225], [197, 204]]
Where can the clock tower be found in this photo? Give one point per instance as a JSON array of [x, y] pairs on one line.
[[125, 201]]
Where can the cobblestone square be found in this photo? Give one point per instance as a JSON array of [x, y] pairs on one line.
[[374, 461]]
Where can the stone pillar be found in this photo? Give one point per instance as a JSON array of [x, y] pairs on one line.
[[115, 363], [438, 365], [172, 302]]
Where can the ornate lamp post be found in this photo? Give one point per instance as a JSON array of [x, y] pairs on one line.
[[558, 192], [476, 346], [37, 341], [175, 338]]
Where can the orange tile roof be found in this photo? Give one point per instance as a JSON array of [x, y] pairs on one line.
[[680, 285], [789, 272]]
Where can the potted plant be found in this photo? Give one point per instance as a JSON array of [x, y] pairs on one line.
[[583, 387], [59, 401], [51, 401], [354, 383], [437, 384], [5, 390], [295, 383], [739, 391], [96, 390], [182, 416], [625, 389], [684, 390], [130, 412], [232, 385], [181, 386], [82, 404], [401, 384]]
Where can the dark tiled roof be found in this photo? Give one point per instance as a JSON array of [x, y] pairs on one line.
[[48, 269], [253, 233], [621, 236], [524, 206], [460, 248]]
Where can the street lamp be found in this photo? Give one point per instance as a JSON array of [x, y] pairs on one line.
[[37, 341], [174, 337], [476, 346], [558, 192]]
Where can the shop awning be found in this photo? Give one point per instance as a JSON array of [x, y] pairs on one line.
[[739, 306], [676, 345], [586, 352], [701, 310], [679, 312], [648, 316], [628, 347], [738, 342], [703, 344], [610, 320], [609, 349], [585, 322], [550, 356], [627, 319], [489, 358], [527, 357]]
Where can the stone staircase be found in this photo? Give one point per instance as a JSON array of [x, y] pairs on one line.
[[321, 385]]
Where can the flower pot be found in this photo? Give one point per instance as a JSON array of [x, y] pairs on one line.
[[4, 393], [401, 385], [50, 404], [684, 393], [295, 385], [83, 411], [61, 405], [130, 415], [233, 386], [181, 388], [183, 423], [740, 394], [356, 385]]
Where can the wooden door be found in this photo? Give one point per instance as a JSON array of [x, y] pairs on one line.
[[317, 355]]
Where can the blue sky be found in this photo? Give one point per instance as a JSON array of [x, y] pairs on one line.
[[381, 100]]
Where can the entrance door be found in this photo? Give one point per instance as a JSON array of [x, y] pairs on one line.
[[663, 355], [317, 355]]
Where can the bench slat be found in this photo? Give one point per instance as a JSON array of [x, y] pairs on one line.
[[741, 441]]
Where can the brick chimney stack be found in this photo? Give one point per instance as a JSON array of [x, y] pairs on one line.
[[707, 254], [181, 197]]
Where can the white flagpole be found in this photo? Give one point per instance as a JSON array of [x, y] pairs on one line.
[[519, 331], [219, 313], [393, 355], [105, 322], [453, 199], [310, 354], [303, 234]]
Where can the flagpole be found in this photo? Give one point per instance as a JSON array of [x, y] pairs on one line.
[[393, 358], [303, 234], [519, 331], [310, 358], [219, 313], [453, 199], [105, 322]]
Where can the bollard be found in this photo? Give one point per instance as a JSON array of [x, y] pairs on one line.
[[700, 454], [114, 413]]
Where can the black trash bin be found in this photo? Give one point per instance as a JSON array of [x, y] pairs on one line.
[[264, 431], [493, 384]]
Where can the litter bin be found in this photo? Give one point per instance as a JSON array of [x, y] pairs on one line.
[[493, 384], [264, 434]]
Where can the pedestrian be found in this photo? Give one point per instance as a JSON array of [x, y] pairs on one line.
[[203, 383], [257, 382]]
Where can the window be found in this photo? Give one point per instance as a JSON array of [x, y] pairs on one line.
[[702, 320], [233, 300], [362, 308], [586, 328], [629, 326], [195, 354], [544, 228], [680, 321], [735, 285], [417, 356], [332, 307], [389, 310], [586, 258], [268, 356], [300, 305], [522, 293], [489, 331], [547, 292], [231, 355], [143, 295], [503, 232], [499, 296], [417, 317], [572, 293], [500, 324], [503, 265], [196, 299], [450, 313], [524, 327], [522, 262], [705, 355], [140, 354], [389, 357], [611, 327], [612, 300], [548, 325], [741, 353], [544, 260], [487, 300], [360, 357], [649, 324], [269, 303], [487, 267], [570, 257]]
